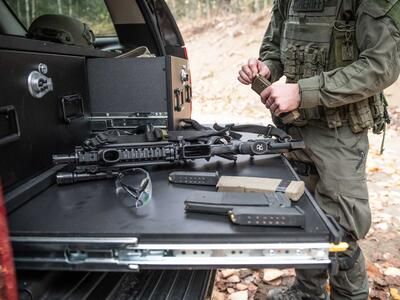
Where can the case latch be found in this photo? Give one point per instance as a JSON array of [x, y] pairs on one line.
[[38, 83]]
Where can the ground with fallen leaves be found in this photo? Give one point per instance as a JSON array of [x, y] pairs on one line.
[[217, 48]]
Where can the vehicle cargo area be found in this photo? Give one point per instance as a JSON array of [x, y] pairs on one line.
[[83, 226], [54, 98]]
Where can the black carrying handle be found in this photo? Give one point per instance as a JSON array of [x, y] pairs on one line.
[[72, 108], [9, 113]]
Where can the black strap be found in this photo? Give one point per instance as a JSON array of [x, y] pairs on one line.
[[303, 169], [192, 124], [266, 131], [192, 130], [347, 262], [145, 133], [191, 135]]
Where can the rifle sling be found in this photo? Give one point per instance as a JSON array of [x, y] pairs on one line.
[[267, 131], [191, 135]]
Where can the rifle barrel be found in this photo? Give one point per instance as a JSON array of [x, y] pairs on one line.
[[73, 177], [59, 159]]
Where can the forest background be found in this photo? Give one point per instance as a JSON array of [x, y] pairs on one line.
[[94, 12]]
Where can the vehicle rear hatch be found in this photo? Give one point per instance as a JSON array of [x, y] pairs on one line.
[[84, 227]]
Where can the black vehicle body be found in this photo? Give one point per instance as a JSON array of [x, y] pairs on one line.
[[116, 253]]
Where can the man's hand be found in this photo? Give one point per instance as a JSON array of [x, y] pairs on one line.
[[281, 97], [251, 69]]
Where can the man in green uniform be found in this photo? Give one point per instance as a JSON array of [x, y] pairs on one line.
[[337, 56]]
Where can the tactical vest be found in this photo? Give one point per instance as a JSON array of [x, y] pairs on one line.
[[317, 36]]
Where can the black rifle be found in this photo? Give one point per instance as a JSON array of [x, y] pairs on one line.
[[139, 154], [106, 154], [107, 160]]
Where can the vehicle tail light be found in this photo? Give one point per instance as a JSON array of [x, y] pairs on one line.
[[185, 52], [8, 284]]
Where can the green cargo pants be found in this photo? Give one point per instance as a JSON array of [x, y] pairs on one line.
[[340, 188]]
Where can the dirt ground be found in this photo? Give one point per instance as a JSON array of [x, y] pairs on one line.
[[217, 48]]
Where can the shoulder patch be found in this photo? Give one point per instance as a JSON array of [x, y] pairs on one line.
[[377, 8]]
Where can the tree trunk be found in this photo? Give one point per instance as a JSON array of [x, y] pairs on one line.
[[27, 13], [186, 4], [198, 10], [70, 8], [238, 7], [59, 7], [208, 8], [33, 9], [173, 5]]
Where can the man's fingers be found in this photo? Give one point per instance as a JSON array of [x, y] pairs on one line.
[[246, 69], [274, 107], [252, 68], [269, 102], [244, 77], [265, 94], [242, 81], [263, 70], [265, 73], [264, 101], [253, 65]]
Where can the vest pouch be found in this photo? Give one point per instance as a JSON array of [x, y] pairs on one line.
[[307, 114], [300, 63], [332, 116], [344, 48], [360, 116], [291, 65], [310, 62], [378, 106]]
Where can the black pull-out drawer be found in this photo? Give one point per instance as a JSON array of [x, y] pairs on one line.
[[85, 227]]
